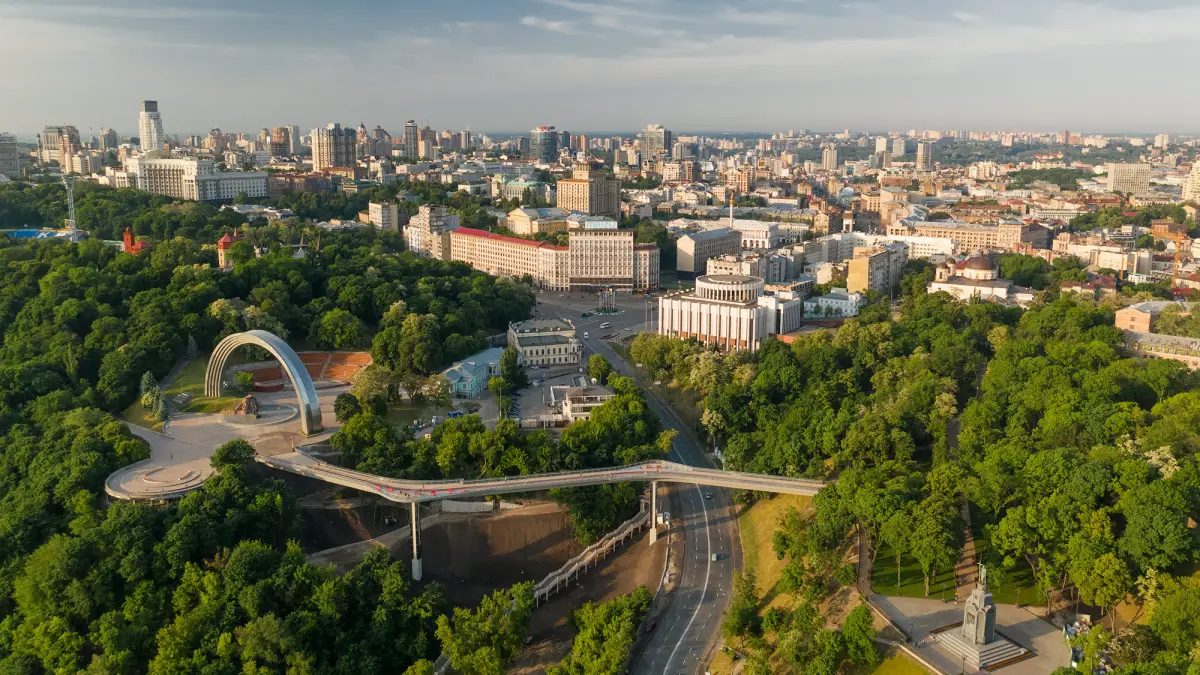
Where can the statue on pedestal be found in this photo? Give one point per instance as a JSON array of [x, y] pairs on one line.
[[979, 616]]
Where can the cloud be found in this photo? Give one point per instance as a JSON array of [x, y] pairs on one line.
[[147, 12], [565, 27]]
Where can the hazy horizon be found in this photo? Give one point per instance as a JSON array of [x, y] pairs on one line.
[[759, 67]]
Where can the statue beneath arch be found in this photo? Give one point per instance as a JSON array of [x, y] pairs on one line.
[[306, 393]]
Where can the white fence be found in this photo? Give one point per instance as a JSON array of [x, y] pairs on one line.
[[576, 566]]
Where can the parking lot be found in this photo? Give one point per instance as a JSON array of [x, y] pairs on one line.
[[533, 402]]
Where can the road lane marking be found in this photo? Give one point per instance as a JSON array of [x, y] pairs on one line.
[[703, 591]]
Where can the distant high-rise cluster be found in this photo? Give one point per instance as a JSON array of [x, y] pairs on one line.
[[150, 127]]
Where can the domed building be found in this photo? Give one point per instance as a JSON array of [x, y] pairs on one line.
[[977, 277]]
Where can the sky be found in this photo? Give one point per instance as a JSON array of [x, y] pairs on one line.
[[613, 65]]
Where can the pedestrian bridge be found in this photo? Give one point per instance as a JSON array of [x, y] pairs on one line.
[[415, 491]]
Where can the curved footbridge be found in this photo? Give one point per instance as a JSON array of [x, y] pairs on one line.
[[415, 491]]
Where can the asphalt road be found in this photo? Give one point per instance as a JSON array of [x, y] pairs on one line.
[[709, 525]]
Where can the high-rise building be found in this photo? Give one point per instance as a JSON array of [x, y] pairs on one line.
[[333, 146], [657, 140], [589, 190], [1129, 177], [150, 127], [564, 140], [293, 139], [10, 160], [543, 144], [1191, 188], [1065, 138], [829, 158], [465, 139], [280, 142], [52, 138], [411, 139], [109, 139], [925, 155], [898, 148], [881, 144]]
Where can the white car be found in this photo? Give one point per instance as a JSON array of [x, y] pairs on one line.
[[585, 336]]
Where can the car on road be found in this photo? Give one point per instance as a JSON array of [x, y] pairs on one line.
[[708, 495], [651, 626], [714, 557], [585, 335], [605, 324]]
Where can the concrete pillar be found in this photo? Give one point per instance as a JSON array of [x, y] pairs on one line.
[[653, 511], [416, 542]]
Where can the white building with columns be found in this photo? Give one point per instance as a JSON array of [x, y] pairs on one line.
[[730, 311]]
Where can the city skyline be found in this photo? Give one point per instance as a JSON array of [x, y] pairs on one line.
[[775, 64]]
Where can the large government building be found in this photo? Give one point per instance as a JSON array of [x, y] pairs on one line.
[[593, 260], [730, 311]]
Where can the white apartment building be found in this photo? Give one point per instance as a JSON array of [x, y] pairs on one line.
[[150, 127], [384, 215], [1129, 177], [192, 178], [428, 232], [729, 311], [545, 342], [1191, 187], [694, 249]]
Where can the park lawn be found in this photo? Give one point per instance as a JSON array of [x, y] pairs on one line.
[[722, 664], [190, 381], [1016, 582], [899, 664], [757, 526], [912, 582]]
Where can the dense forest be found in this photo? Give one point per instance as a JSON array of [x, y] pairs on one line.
[[210, 584], [1078, 463]]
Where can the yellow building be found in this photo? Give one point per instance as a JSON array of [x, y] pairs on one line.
[[589, 190]]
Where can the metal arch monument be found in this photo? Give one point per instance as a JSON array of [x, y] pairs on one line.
[[306, 393]]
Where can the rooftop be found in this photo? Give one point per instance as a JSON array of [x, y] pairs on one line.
[[542, 326]]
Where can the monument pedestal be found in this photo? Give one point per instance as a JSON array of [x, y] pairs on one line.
[[975, 641], [980, 656]]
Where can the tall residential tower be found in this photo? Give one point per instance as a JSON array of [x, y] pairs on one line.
[[150, 127]]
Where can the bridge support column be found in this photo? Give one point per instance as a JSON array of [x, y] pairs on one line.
[[416, 541], [653, 511]]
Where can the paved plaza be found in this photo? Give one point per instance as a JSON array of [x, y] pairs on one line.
[[920, 616], [179, 455]]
